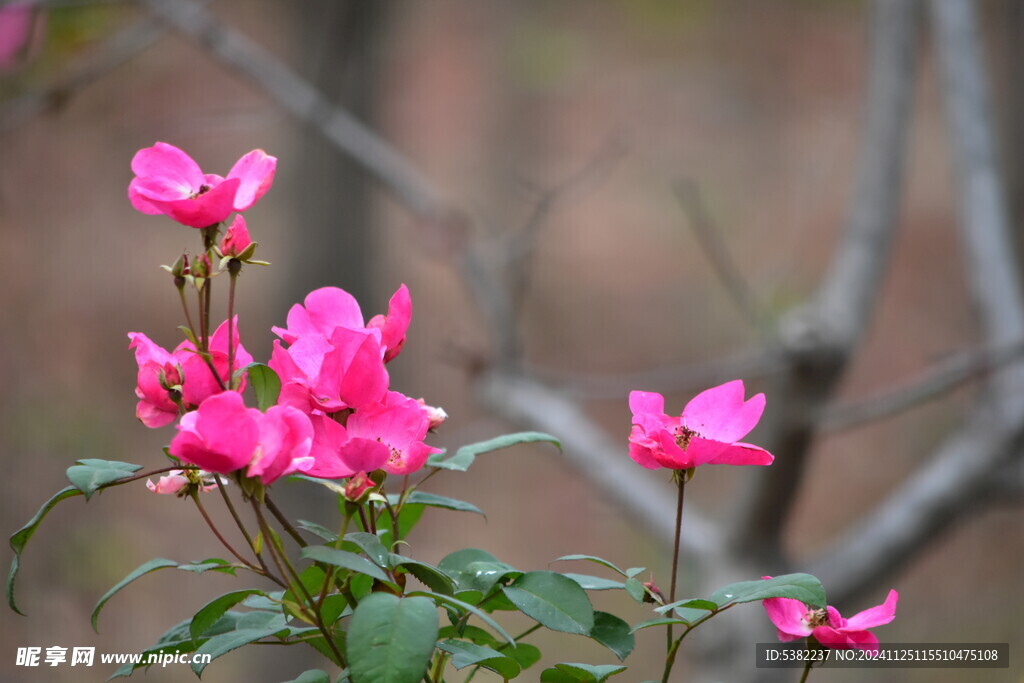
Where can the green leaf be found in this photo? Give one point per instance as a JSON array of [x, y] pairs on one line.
[[214, 564], [226, 642], [142, 570], [476, 570], [345, 560], [636, 589], [456, 463], [21, 537], [463, 607], [466, 654], [215, 609], [434, 500], [579, 673], [613, 633], [391, 639], [90, 475], [177, 640], [527, 655], [465, 456], [803, 587], [372, 546], [663, 621], [312, 676], [555, 601], [265, 383], [595, 583], [333, 608], [592, 558], [407, 519], [318, 530], [431, 577], [697, 604]]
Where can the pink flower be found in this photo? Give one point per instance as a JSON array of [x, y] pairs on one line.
[[793, 619], [286, 436], [182, 375], [224, 436], [329, 308], [435, 414], [357, 487], [168, 181], [220, 436], [344, 371], [336, 454], [401, 424], [707, 433], [236, 239]]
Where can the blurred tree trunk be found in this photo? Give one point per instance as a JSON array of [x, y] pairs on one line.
[[341, 45]]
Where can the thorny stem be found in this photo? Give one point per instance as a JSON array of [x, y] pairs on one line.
[[329, 579], [673, 646], [184, 306], [239, 523]]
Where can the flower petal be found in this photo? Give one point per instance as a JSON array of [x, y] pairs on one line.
[[169, 167], [255, 172], [875, 616], [720, 413], [788, 615], [646, 402]]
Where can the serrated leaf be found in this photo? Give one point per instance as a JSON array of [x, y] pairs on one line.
[[466, 607], [391, 639], [317, 530], [803, 587], [90, 475], [688, 604], [594, 583], [430, 576], [467, 654], [218, 646], [265, 383], [613, 633], [555, 601], [212, 611], [20, 538], [434, 500], [371, 545], [593, 558], [140, 571], [635, 589], [345, 560], [465, 456], [580, 673], [527, 655]]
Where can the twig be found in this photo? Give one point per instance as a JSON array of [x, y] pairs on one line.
[[709, 238], [943, 377]]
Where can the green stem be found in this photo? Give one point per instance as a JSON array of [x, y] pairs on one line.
[[811, 643], [240, 524], [184, 306], [503, 646], [231, 328], [216, 532]]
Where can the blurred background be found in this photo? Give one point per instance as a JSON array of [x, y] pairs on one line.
[[583, 198]]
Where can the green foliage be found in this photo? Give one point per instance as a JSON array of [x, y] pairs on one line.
[[21, 537], [579, 673], [555, 601], [465, 456], [391, 639], [91, 475], [141, 570], [265, 383]]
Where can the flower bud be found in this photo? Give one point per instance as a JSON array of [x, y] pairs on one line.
[[202, 266], [435, 414], [236, 240], [358, 487]]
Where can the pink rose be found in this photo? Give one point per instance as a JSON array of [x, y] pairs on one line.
[[793, 619]]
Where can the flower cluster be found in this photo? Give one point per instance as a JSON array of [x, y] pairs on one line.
[[335, 415]]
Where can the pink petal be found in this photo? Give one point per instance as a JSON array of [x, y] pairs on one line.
[[364, 379], [152, 416], [875, 616], [168, 167], [286, 436], [365, 455], [16, 26], [332, 307], [204, 210], [236, 239], [844, 640], [788, 616], [256, 171], [670, 455], [394, 326], [643, 456], [729, 454], [720, 413], [646, 402], [139, 200]]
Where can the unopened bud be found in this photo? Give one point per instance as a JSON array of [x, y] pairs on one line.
[[358, 487], [435, 414]]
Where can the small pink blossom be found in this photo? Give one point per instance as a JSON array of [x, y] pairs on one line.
[[707, 432], [395, 324], [357, 486], [336, 454], [793, 620], [166, 378], [175, 481], [401, 424], [236, 239], [286, 436], [168, 181], [435, 414]]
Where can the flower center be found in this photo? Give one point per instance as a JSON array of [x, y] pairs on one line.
[[683, 436], [817, 617], [203, 189]]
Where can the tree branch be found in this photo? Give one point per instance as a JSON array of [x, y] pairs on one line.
[[818, 340]]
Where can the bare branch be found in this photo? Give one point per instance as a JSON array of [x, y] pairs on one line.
[[958, 475], [818, 340], [709, 238], [943, 377], [298, 96], [588, 448]]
